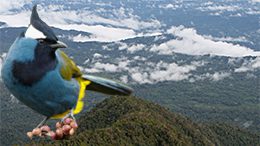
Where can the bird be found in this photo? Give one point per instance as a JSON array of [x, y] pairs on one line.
[[40, 75]]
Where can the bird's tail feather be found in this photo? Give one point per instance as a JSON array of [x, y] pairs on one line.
[[107, 86]]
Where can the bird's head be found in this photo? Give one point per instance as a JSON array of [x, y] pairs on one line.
[[40, 31]]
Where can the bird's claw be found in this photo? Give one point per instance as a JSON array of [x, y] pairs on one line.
[[64, 129], [69, 116]]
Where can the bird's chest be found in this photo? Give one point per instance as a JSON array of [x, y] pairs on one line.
[[50, 92], [25, 74]]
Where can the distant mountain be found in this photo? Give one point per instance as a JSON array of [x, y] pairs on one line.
[[133, 121]]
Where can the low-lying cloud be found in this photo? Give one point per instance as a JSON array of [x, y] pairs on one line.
[[189, 42], [98, 33], [249, 65], [105, 29], [149, 72]]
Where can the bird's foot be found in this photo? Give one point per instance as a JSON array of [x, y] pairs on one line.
[[69, 116], [64, 129]]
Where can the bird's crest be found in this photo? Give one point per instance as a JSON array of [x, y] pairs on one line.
[[38, 29]]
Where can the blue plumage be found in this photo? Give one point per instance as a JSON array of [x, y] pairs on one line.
[[50, 95]]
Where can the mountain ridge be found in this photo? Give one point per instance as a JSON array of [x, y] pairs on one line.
[[133, 121]]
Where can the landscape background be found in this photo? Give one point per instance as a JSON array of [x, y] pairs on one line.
[[198, 58]]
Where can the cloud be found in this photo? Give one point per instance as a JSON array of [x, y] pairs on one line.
[[255, 1], [249, 65], [91, 70], [218, 8], [222, 8], [122, 65], [171, 72], [139, 58], [110, 35], [163, 49], [170, 6], [124, 78], [6, 6], [217, 76], [119, 24], [253, 12], [235, 9], [97, 55], [80, 38], [135, 48], [141, 78], [227, 39], [143, 71], [189, 42], [162, 71], [16, 20], [106, 67], [87, 17], [132, 48], [122, 46], [99, 33]]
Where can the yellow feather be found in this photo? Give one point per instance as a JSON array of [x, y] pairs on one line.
[[80, 104], [60, 116], [68, 69]]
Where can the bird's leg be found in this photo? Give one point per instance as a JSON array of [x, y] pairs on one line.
[[40, 130], [42, 122], [70, 114], [67, 126]]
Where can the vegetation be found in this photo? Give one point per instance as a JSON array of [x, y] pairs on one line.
[[133, 121], [235, 101]]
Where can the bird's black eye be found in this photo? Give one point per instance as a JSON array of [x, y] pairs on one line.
[[41, 41]]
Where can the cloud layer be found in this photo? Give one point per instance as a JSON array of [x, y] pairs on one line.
[[103, 28], [250, 65], [189, 42]]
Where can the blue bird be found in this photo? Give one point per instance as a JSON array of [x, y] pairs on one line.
[[45, 79]]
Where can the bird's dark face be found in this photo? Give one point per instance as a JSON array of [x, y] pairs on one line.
[[40, 31]]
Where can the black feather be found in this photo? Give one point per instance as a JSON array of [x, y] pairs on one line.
[[107, 86], [30, 72], [42, 26]]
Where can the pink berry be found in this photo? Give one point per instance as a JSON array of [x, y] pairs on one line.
[[74, 125], [68, 121], [45, 128], [59, 133], [30, 135], [52, 135], [66, 129], [58, 125], [72, 131], [36, 131]]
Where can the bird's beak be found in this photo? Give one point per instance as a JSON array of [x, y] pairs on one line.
[[59, 44]]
